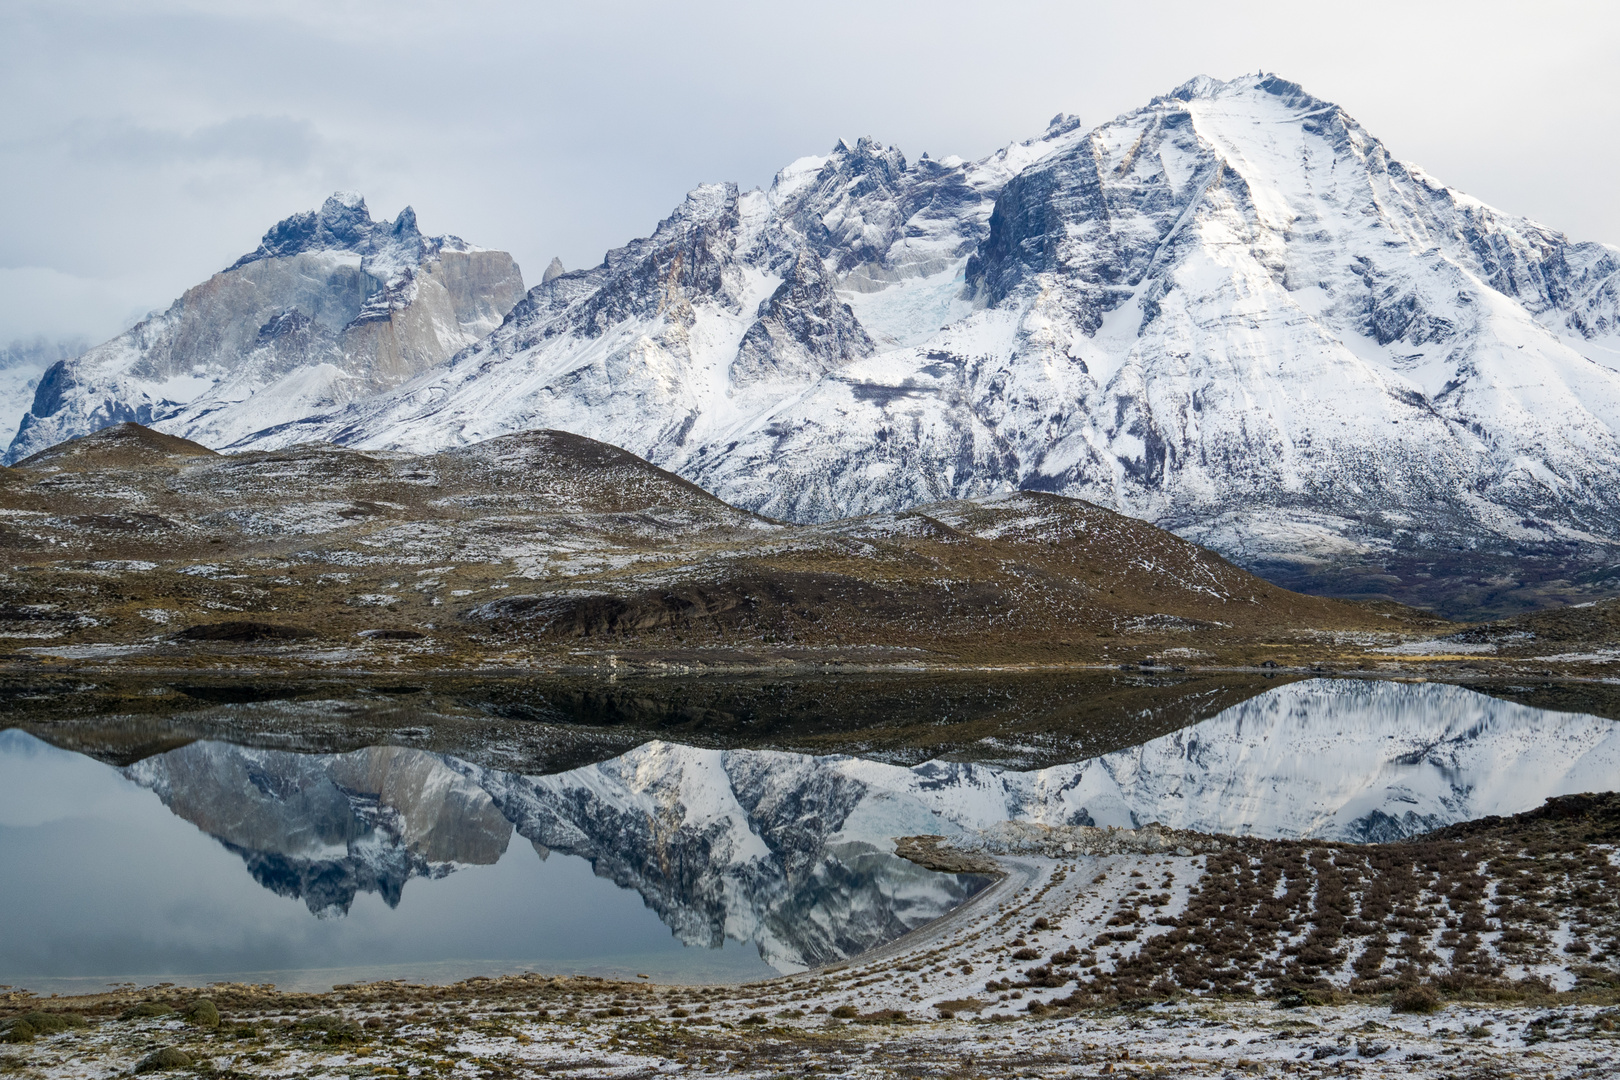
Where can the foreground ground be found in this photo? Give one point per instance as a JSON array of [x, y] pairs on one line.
[[496, 1030], [1488, 949]]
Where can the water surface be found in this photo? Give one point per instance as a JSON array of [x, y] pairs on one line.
[[218, 860]]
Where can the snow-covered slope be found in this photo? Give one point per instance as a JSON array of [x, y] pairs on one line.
[[1230, 312], [1333, 759], [331, 307]]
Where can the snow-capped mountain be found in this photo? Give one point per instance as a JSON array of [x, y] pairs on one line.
[[1231, 312], [1344, 760], [331, 307], [756, 846], [795, 852]]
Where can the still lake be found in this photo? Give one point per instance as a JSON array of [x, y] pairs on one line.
[[217, 861]]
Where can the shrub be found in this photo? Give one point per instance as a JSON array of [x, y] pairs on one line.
[[50, 1023], [334, 1028], [202, 1012], [882, 1016], [25, 1027], [166, 1057], [145, 1009], [1415, 999]]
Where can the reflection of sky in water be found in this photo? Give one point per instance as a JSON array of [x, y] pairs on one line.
[[101, 879]]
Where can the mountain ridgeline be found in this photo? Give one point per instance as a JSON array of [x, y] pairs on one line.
[[547, 544], [1231, 313]]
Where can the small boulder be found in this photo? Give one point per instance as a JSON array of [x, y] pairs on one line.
[[244, 630]]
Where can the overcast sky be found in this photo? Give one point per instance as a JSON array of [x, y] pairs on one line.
[[144, 146]]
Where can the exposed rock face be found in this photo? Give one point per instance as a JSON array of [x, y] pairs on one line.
[[21, 365], [804, 329], [331, 307], [1230, 312]]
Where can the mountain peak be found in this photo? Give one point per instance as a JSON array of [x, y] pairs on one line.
[[405, 224], [279, 333], [343, 223], [1061, 124], [1256, 84]]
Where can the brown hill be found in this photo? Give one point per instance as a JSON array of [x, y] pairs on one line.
[[549, 547]]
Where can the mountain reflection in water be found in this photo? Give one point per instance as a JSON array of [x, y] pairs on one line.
[[788, 853], [323, 827], [719, 844]]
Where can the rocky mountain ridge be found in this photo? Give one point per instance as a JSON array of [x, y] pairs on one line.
[[21, 364]]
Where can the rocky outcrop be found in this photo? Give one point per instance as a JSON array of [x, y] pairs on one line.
[[803, 330]]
